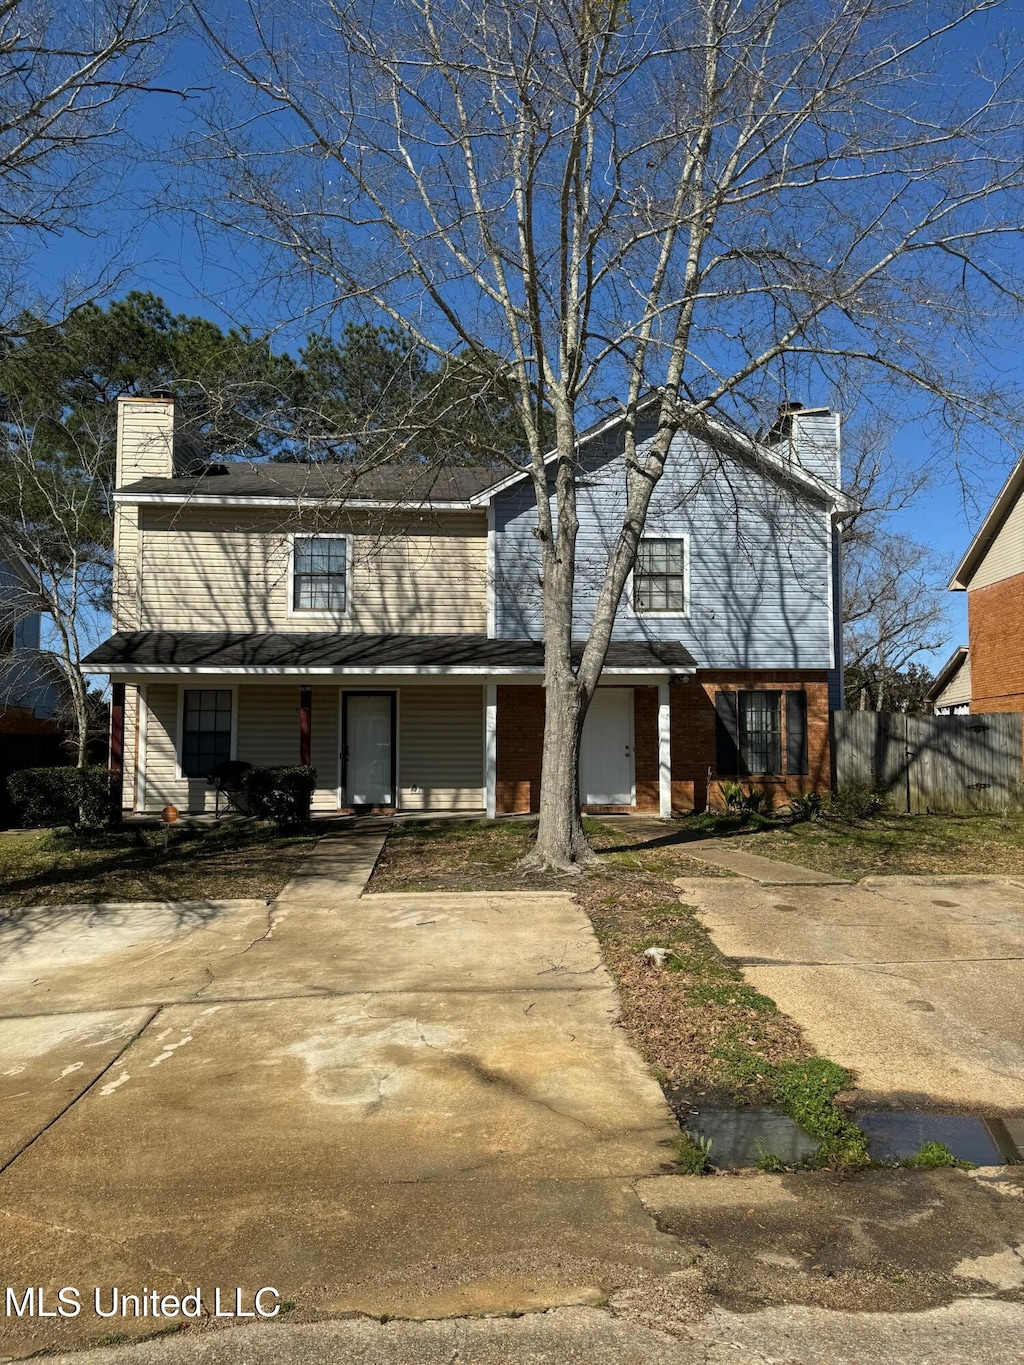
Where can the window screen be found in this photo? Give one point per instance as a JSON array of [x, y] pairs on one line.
[[319, 573], [206, 731], [659, 578]]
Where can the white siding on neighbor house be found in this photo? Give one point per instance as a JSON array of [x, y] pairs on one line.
[[222, 570], [958, 690], [441, 748], [145, 439], [1005, 555], [760, 560]]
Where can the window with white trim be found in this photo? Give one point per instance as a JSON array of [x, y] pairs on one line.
[[659, 577], [320, 573], [205, 730]]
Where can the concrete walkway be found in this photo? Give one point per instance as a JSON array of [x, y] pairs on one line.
[[337, 868], [729, 854]]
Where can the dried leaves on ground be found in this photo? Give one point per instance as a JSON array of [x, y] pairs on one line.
[[233, 861]]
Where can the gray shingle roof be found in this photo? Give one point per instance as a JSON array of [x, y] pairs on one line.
[[294, 651], [384, 483]]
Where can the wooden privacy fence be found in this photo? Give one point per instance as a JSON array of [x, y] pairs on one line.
[[930, 763]]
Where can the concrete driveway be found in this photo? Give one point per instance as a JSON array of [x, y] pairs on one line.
[[413, 1105], [912, 982]]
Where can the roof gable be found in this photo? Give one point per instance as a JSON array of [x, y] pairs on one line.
[[1008, 502]]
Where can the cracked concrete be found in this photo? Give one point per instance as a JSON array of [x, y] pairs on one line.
[[912, 982], [414, 1105]]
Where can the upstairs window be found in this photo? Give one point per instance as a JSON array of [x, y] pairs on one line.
[[659, 578], [320, 573], [205, 730]]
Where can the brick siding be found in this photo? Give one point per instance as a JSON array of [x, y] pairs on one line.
[[520, 733], [995, 617]]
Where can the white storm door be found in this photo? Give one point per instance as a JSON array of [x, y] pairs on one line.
[[606, 753], [367, 759]]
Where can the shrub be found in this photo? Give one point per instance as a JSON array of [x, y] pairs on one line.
[[76, 797], [854, 801], [805, 807], [756, 801], [281, 795]]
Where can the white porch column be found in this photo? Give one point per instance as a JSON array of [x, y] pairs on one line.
[[491, 750], [664, 753]]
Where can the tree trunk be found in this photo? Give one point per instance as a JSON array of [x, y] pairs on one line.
[[561, 845]]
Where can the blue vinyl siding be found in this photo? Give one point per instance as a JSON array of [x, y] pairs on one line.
[[760, 560]]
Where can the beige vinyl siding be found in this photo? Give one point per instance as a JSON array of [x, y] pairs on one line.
[[204, 571], [145, 438], [958, 689], [268, 725], [441, 748], [1005, 556], [162, 787], [131, 746], [125, 584], [324, 747]]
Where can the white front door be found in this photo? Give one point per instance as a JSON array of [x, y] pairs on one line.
[[366, 756], [606, 753]]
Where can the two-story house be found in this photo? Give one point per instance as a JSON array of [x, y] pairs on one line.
[[386, 628], [987, 674]]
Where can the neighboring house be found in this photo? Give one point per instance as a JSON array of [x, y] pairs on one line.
[[386, 628], [992, 575], [950, 691], [29, 695]]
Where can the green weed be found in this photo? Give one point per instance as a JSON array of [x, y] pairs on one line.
[[693, 1155]]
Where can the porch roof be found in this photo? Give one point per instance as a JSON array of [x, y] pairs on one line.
[[158, 651]]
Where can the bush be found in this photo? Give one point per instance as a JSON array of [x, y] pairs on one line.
[[756, 801], [854, 801], [281, 795], [76, 797]]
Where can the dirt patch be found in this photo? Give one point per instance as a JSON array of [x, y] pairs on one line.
[[876, 1241]]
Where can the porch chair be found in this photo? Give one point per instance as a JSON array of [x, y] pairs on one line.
[[226, 780]]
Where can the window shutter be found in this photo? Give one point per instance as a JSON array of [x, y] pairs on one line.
[[727, 753], [796, 733]]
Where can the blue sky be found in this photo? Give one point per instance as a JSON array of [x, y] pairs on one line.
[[164, 251]]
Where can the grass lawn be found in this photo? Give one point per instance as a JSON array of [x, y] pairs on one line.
[[707, 1035], [885, 844], [234, 861]]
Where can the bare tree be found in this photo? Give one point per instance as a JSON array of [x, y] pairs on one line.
[[716, 201], [894, 587], [69, 74], [52, 517]]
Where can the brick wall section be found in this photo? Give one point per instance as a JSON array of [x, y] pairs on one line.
[[995, 616], [519, 743], [694, 776], [520, 737], [520, 732]]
